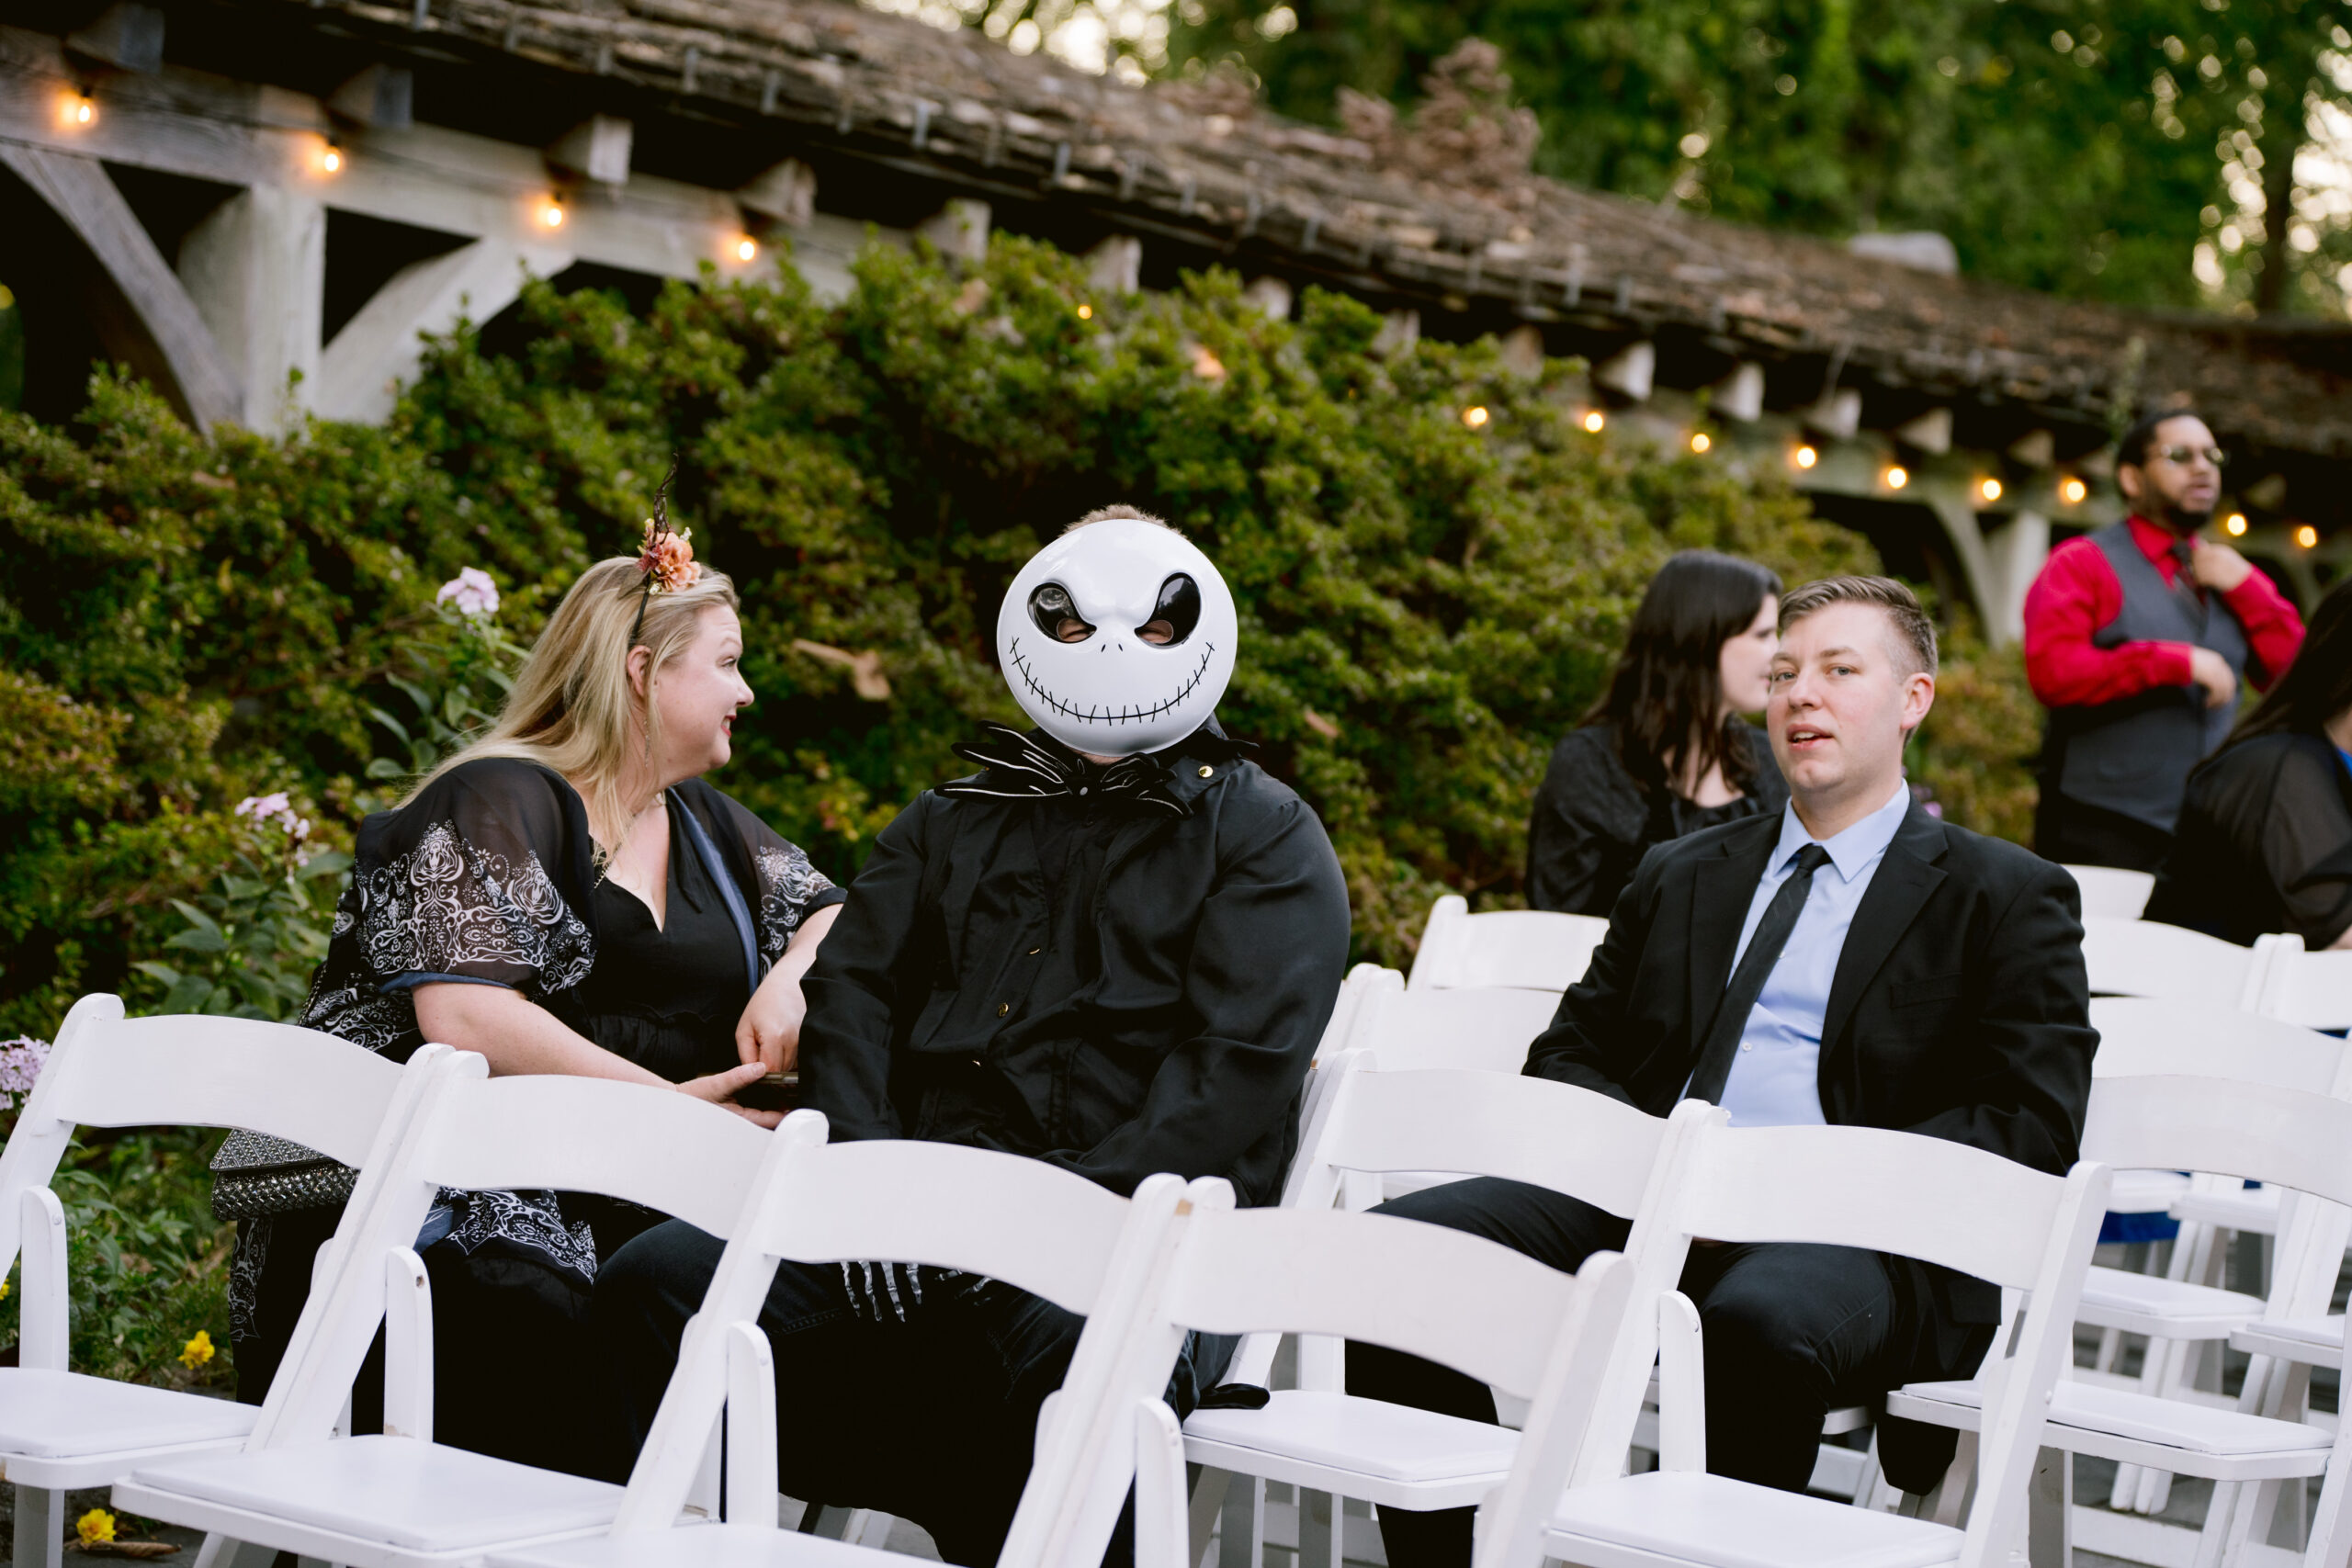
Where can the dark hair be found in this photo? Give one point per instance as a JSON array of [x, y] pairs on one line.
[[2133, 446], [2317, 685], [1902, 607], [1669, 684]]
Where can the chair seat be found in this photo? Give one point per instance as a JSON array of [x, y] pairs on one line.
[[2117, 1298], [394, 1491], [1388, 1442], [2145, 1191], [2316, 1340], [2242, 1209], [1679, 1516], [700, 1546], [49, 1414], [2124, 1413]]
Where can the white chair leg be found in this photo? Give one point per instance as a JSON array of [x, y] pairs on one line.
[[833, 1522], [1322, 1526], [220, 1552], [1241, 1527], [41, 1528], [1201, 1512], [2050, 1511]]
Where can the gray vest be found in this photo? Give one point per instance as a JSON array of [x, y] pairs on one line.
[[2134, 756]]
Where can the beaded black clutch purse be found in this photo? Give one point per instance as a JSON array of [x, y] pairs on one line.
[[254, 1174]]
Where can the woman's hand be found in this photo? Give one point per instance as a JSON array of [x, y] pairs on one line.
[[769, 1033], [721, 1089]]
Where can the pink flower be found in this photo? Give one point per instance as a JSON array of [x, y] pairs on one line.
[[261, 807], [471, 590], [670, 559], [21, 1060]]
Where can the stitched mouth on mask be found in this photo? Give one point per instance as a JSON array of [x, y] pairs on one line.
[[1097, 715]]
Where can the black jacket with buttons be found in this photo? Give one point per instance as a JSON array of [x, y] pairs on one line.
[[1088, 982]]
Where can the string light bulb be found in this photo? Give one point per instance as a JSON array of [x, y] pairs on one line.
[[1475, 416], [2234, 523], [2307, 535], [2072, 491], [1807, 456], [77, 110], [331, 158], [747, 248], [1990, 490], [1594, 421], [551, 213], [1086, 312], [1898, 475], [1700, 441]]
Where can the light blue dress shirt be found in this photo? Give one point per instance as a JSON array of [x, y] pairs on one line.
[[1776, 1074]]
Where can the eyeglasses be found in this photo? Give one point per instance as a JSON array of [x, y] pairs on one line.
[[2184, 454]]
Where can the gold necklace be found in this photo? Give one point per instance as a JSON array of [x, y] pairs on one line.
[[604, 858]]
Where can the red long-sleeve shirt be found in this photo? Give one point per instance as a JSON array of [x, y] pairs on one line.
[[2076, 593]]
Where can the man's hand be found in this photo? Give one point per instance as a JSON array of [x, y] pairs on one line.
[[2217, 566], [769, 1032], [2211, 671]]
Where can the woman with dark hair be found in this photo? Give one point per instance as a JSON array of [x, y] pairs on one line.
[[1665, 751], [2265, 842]]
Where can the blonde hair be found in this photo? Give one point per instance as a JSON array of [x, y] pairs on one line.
[[572, 708], [1122, 512]]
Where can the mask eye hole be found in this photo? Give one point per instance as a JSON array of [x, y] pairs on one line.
[[1057, 615], [1178, 612]]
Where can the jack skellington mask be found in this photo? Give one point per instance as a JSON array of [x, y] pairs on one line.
[[1118, 637]]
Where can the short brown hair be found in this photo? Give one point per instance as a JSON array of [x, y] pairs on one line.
[[1120, 513], [1902, 607]]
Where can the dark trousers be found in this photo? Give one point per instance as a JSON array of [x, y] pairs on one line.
[[930, 1416], [2072, 833], [1792, 1331]]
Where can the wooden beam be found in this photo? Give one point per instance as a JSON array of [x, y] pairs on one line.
[[257, 269], [380, 97], [785, 193], [360, 372], [597, 149], [79, 192]]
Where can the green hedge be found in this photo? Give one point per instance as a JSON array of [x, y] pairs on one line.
[[1426, 606]]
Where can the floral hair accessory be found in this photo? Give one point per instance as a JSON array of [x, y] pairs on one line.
[[667, 555]]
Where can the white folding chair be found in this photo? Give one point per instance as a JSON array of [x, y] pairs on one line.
[[2112, 892], [397, 1499], [1484, 1027], [60, 1430], [1535, 950], [1442, 1294], [2173, 963], [1467, 1123], [2297, 1140], [1897, 1192]]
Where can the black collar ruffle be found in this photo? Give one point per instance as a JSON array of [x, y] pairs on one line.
[[1033, 766]]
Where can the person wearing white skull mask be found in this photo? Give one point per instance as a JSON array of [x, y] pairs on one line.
[[1114, 949]]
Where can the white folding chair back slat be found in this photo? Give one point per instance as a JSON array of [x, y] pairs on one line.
[[1992, 1216], [2252, 1131], [1442, 1294], [672, 1153], [2139, 1035], [1529, 949], [1488, 1028], [2144, 958], [2112, 892]]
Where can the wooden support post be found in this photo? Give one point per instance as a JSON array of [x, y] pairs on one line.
[[361, 370], [257, 269], [200, 381], [597, 149], [1116, 264], [2017, 549], [960, 230]]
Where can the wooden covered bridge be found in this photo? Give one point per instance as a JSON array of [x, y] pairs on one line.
[[225, 192]]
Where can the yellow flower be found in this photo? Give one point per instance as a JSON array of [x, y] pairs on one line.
[[196, 1351], [94, 1527], [4, 1289]]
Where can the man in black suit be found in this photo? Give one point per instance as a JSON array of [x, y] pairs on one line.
[[1853, 960]]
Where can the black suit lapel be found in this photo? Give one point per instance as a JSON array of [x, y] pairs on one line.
[[1903, 882], [1722, 887]]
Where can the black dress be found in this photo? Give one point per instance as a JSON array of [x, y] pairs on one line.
[[1593, 821], [2264, 844], [488, 877]]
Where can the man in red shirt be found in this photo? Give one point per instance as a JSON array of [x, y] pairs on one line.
[[2137, 637]]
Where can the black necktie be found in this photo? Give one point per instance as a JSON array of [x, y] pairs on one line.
[[1755, 968], [2184, 579]]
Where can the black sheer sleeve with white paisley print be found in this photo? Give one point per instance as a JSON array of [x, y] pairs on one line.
[[785, 887], [483, 878]]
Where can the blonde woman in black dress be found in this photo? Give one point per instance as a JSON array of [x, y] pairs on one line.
[[566, 894]]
